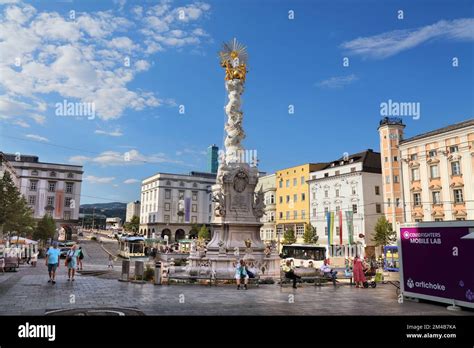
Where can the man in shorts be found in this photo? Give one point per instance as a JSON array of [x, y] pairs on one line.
[[52, 261]]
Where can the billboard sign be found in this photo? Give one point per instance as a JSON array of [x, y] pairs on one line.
[[436, 261]]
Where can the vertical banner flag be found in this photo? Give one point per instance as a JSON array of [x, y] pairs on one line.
[[350, 226], [328, 222], [340, 227], [187, 208]]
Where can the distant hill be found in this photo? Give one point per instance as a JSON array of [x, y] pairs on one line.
[[114, 209]]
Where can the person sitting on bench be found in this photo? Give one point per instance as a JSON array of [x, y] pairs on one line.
[[290, 272], [327, 271]]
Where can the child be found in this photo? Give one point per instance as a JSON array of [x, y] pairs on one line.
[[111, 262]]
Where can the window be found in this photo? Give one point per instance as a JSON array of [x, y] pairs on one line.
[[167, 207], [415, 174], [395, 158], [325, 231], [326, 175], [287, 198], [33, 184], [337, 172], [377, 190], [295, 198], [67, 202], [413, 157], [193, 219], [67, 215], [34, 172], [210, 208], [326, 193], [354, 190], [455, 168], [194, 208], [337, 193], [154, 217], [70, 175], [50, 200], [287, 183], [52, 174], [302, 180], [378, 208], [195, 195], [353, 169], [397, 202], [432, 153], [416, 199], [326, 211], [288, 215], [314, 212], [303, 214], [168, 183], [32, 200], [395, 179], [387, 179], [280, 184], [167, 194], [337, 209], [436, 197], [281, 215], [167, 218], [281, 199], [458, 198], [314, 195], [181, 218], [453, 149], [434, 171], [195, 185], [389, 202], [303, 197], [272, 199], [295, 182], [438, 219], [181, 183], [354, 208], [52, 186], [295, 214], [299, 231], [69, 187], [386, 159], [181, 195]]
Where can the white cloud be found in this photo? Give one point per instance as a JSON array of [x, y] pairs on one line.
[[21, 123], [99, 180], [115, 158], [191, 152], [37, 137], [115, 133], [393, 42], [131, 181], [337, 81]]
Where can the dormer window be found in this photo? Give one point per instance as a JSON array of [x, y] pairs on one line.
[[413, 157], [52, 174], [432, 153], [195, 185], [70, 175], [168, 183], [181, 183], [34, 173], [333, 164], [453, 149]]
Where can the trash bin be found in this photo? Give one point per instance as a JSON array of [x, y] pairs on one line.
[[158, 273], [139, 270], [125, 270]]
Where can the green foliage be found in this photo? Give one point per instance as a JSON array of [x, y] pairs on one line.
[[133, 225], [204, 233], [310, 236], [149, 273], [289, 237], [194, 230], [15, 215], [384, 233], [45, 229]]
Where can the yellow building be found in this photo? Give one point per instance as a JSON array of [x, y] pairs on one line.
[[292, 198]]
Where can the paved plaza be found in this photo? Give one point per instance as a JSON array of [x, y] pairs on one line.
[[27, 292]]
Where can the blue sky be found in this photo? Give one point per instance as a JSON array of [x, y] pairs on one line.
[[48, 57]]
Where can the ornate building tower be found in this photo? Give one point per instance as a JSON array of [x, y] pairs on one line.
[[391, 133]]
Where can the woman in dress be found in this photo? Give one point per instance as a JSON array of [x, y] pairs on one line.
[[71, 260], [358, 270], [241, 274]]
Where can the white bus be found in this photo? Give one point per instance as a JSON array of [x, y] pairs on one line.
[[303, 255]]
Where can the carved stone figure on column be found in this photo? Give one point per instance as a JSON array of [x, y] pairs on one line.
[[219, 199], [259, 204]]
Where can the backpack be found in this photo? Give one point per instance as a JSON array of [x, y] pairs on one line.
[[81, 255]]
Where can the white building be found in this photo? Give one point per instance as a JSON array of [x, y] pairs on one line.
[[268, 185], [50, 188], [172, 203], [113, 223], [352, 183], [133, 209]]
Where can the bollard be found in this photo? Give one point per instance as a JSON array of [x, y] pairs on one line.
[[139, 270], [158, 273], [125, 271]]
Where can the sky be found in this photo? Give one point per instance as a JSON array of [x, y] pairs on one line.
[[318, 72]]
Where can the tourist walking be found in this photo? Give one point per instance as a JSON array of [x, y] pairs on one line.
[[52, 261], [111, 262], [289, 271], [34, 258], [71, 262], [358, 270], [241, 274], [80, 258]]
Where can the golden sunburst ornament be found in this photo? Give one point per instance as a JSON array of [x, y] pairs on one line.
[[233, 58]]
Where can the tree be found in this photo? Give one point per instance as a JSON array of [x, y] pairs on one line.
[[46, 228], [289, 237], [15, 215], [384, 233], [133, 225], [310, 236], [204, 233], [194, 230]]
